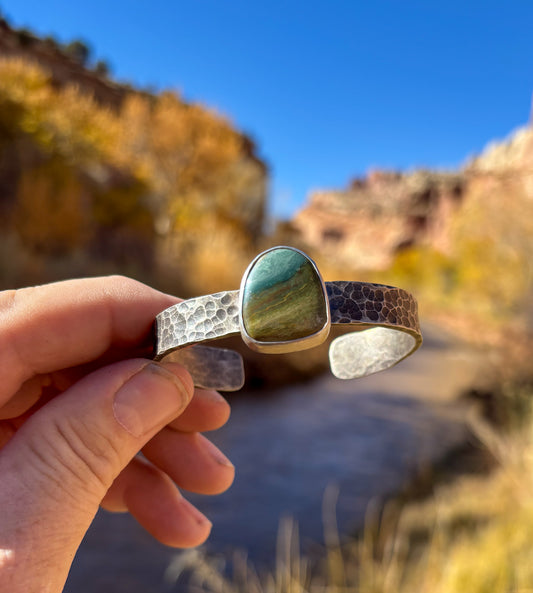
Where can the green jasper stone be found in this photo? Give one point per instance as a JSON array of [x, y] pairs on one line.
[[283, 298]]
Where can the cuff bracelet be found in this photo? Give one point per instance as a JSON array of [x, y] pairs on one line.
[[283, 305]]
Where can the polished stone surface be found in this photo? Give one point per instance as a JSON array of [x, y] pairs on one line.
[[283, 298]]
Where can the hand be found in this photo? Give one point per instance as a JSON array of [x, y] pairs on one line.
[[77, 403]]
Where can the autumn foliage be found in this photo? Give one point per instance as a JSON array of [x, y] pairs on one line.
[[143, 189]]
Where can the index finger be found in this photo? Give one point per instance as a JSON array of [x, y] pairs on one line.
[[65, 324]]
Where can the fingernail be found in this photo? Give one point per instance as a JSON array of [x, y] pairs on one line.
[[149, 399], [197, 516], [216, 453]]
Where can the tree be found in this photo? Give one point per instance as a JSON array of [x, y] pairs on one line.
[[102, 68], [78, 50]]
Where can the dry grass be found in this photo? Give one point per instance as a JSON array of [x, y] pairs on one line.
[[472, 535]]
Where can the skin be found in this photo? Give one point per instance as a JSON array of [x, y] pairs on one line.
[[78, 400]]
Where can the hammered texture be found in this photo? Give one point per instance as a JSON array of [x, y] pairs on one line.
[[366, 303], [363, 353], [211, 368], [380, 310], [197, 320]]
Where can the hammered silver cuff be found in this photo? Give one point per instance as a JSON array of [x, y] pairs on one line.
[[283, 305]]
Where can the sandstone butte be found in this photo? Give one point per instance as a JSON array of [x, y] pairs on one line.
[[365, 225]]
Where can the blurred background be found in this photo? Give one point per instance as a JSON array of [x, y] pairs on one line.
[[392, 142]]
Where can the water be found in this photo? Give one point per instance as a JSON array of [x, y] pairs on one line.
[[361, 439]]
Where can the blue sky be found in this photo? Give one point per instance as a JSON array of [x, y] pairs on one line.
[[327, 89]]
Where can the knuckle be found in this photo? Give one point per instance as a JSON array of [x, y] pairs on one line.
[[124, 283], [119, 279], [94, 450], [7, 301], [77, 457]]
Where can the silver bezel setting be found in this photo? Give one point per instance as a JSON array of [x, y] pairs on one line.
[[281, 347]]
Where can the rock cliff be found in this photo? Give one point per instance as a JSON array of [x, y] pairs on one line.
[[365, 225], [63, 68], [110, 178]]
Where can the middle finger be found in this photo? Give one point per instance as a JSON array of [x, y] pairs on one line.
[[207, 410], [191, 460]]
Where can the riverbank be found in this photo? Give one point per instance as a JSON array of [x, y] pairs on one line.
[[367, 439], [466, 526], [473, 532]]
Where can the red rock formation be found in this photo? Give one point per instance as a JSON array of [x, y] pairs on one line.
[[365, 226], [378, 215]]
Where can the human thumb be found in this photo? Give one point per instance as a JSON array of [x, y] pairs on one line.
[[56, 469]]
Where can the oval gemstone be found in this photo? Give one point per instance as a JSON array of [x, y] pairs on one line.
[[283, 297]]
